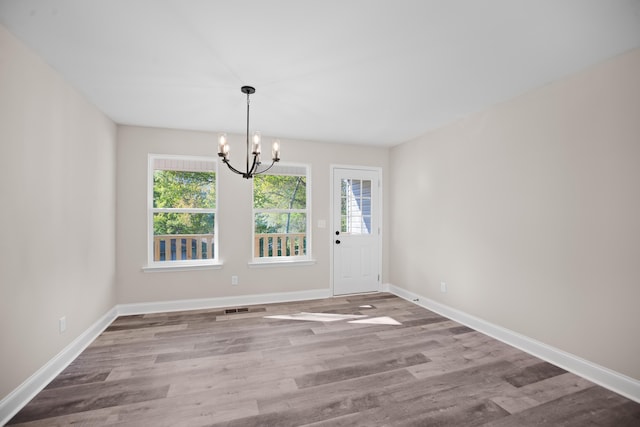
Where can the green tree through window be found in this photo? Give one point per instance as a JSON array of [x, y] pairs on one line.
[[180, 189]]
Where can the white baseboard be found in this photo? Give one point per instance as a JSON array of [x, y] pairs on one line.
[[233, 301], [26, 391], [18, 398], [614, 381]]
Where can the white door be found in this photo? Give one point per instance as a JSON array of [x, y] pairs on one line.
[[356, 231]]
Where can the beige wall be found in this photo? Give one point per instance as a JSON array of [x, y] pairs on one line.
[[57, 192], [530, 212], [234, 218]]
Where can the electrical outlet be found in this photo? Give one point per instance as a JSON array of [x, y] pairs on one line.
[[62, 324], [443, 287], [234, 280]]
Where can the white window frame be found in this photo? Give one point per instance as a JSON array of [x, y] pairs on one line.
[[299, 259], [153, 265]]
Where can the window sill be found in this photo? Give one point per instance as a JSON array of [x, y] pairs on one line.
[[180, 267], [281, 263]]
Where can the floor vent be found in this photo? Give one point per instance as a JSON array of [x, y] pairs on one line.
[[236, 310]]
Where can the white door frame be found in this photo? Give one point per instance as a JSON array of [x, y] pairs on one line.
[[333, 226]]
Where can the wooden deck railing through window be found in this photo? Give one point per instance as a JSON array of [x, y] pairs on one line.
[[179, 247], [277, 245]]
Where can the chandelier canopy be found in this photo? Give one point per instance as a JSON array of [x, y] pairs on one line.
[[253, 148]]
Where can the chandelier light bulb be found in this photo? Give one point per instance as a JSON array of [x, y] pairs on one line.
[[256, 142], [222, 142]]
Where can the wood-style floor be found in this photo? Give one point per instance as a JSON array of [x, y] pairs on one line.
[[209, 367]]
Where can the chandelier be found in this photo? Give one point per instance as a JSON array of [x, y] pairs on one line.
[[253, 148]]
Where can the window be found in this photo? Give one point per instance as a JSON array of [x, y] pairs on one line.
[[281, 214], [355, 206], [182, 211]]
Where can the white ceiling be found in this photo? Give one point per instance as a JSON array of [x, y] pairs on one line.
[[375, 72]]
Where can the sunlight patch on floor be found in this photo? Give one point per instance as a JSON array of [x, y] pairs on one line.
[[316, 317], [332, 317], [383, 320]]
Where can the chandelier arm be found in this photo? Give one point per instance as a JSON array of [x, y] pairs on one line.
[[254, 165], [273, 162], [232, 168]]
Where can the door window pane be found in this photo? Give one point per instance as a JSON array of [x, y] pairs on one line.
[[355, 206]]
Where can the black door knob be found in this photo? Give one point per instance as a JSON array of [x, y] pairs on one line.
[[337, 233], [337, 242]]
